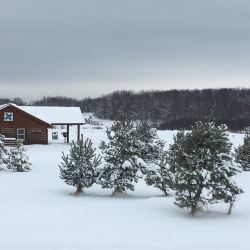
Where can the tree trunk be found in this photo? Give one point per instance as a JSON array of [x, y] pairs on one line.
[[229, 212], [164, 190], [79, 189], [19, 168], [193, 209], [118, 190]]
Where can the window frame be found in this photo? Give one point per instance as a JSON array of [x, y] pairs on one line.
[[22, 134]]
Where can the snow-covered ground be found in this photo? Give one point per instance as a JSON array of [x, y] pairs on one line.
[[38, 212]]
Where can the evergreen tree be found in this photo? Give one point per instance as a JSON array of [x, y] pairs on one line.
[[152, 152], [3, 152], [121, 156], [149, 145], [17, 160], [159, 175], [79, 167], [222, 186], [202, 166], [242, 153]]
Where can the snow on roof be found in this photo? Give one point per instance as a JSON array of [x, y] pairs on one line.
[[55, 115], [6, 105]]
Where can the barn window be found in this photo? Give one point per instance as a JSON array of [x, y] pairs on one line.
[[21, 133], [55, 136]]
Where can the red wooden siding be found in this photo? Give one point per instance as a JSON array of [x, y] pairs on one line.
[[36, 131]]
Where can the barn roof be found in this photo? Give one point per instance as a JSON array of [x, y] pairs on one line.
[[53, 115], [56, 115]]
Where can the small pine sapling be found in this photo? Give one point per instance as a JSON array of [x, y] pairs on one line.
[[3, 152], [223, 187], [159, 175], [17, 160], [149, 146], [79, 167], [242, 153], [152, 152]]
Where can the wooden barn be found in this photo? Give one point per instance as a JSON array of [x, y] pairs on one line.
[[31, 123]]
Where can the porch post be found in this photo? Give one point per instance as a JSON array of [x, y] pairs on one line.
[[78, 132], [67, 133]]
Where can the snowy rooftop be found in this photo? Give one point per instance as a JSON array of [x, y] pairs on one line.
[[54, 115]]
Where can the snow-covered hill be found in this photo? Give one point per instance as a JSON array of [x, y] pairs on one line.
[[38, 212]]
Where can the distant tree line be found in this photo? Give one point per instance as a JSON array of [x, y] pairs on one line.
[[175, 109], [17, 101], [57, 101], [172, 109]]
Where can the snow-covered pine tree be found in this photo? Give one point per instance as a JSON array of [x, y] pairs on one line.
[[120, 155], [17, 160], [186, 175], [3, 152], [242, 153], [152, 152], [223, 186], [149, 145], [220, 166], [202, 166], [79, 167], [159, 175]]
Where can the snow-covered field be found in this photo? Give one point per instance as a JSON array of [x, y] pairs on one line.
[[38, 212]]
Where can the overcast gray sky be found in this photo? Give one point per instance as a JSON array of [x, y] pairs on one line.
[[82, 48]]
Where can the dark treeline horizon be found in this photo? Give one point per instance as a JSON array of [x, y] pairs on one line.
[[170, 109]]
